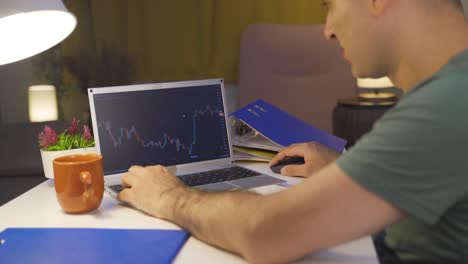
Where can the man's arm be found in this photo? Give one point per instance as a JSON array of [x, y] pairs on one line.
[[326, 209]]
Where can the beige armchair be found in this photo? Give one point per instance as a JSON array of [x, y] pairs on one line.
[[295, 68]]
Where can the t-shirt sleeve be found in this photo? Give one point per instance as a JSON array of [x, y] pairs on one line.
[[415, 156]]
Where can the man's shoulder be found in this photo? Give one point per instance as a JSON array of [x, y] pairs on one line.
[[450, 81], [445, 90], [457, 65], [453, 77]]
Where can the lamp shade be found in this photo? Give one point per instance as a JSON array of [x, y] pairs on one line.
[[42, 103], [377, 92], [383, 82], [28, 27]]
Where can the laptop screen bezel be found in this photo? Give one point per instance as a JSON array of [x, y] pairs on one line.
[[157, 86]]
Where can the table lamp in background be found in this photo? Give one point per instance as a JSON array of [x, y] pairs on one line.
[[42, 101], [28, 27], [353, 117], [375, 91]]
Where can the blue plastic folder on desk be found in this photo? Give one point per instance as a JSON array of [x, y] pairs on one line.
[[282, 128], [90, 246]]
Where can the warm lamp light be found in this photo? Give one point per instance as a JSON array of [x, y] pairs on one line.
[[42, 103], [28, 27], [375, 94], [383, 82]]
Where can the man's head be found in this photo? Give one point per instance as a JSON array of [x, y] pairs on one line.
[[373, 33]]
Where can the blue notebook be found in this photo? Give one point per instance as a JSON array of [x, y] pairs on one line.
[[90, 246], [282, 128]]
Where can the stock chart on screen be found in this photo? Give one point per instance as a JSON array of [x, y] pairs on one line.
[[162, 126]]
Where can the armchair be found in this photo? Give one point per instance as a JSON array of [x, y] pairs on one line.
[[295, 68]]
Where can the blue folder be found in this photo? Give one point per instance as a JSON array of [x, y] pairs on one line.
[[283, 128], [90, 246]]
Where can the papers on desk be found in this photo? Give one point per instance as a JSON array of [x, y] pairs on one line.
[[252, 154], [260, 125], [90, 246], [254, 139]]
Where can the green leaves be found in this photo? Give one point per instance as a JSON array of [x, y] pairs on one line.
[[66, 141]]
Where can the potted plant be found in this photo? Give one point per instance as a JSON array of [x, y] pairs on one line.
[[70, 141]]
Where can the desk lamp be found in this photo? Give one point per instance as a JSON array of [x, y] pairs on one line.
[[28, 27], [374, 93], [42, 103], [353, 117]]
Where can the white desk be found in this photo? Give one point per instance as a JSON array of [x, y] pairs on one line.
[[39, 208]]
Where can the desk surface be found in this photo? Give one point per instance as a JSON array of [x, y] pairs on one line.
[[39, 208]]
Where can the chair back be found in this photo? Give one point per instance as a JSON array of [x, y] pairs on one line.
[[295, 68]]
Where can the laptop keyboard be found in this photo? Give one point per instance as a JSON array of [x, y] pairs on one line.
[[207, 177]]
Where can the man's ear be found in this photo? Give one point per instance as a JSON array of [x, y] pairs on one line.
[[378, 7]]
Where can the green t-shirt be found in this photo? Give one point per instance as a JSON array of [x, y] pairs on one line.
[[416, 158]]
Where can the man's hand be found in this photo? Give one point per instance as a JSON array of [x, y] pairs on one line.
[[316, 156], [151, 189]]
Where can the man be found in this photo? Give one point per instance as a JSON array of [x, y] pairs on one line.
[[410, 173]]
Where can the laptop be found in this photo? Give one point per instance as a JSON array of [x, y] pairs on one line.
[[180, 125]]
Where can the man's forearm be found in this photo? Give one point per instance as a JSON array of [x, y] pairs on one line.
[[223, 219]]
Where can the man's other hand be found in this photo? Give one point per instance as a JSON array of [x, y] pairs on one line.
[[151, 189], [316, 156]]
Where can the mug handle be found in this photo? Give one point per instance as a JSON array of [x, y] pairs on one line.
[[87, 181]]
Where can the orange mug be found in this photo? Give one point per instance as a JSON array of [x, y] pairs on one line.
[[79, 182]]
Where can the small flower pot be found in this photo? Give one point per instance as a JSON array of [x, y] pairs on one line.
[[49, 156]]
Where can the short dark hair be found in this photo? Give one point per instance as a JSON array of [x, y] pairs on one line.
[[457, 3], [438, 3]]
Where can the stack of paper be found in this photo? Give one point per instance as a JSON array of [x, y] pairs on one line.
[[252, 154], [253, 139]]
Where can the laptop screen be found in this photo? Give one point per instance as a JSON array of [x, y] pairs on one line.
[[169, 126]]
